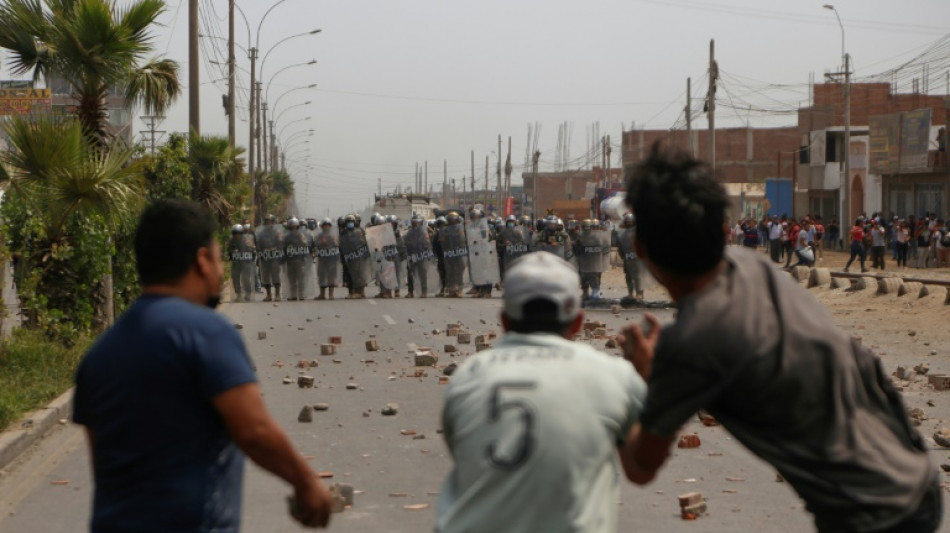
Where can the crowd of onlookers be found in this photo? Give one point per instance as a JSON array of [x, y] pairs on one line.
[[917, 242]]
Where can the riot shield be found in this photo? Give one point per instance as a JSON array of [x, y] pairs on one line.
[[297, 276], [421, 261], [482, 254], [270, 252], [326, 247], [356, 258], [625, 244], [455, 256], [514, 245], [382, 248], [592, 251]]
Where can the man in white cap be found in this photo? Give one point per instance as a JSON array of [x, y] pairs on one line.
[[535, 424]]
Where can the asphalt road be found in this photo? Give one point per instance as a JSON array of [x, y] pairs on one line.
[[50, 490]]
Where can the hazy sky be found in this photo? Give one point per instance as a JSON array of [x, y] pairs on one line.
[[401, 82]]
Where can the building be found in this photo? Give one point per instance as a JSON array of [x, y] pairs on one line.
[[569, 192], [746, 158], [896, 165]]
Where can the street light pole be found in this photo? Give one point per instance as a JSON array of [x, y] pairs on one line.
[[846, 183], [231, 72], [252, 112]]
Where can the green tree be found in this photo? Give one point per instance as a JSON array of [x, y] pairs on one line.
[[217, 177], [65, 201], [168, 173], [93, 45]]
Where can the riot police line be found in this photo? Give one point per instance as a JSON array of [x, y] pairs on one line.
[[293, 261]]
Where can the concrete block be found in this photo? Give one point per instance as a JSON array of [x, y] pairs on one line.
[[372, 345], [800, 273], [305, 382], [481, 339], [452, 329], [306, 414], [426, 358], [449, 348], [889, 285], [464, 338], [939, 381], [338, 504], [819, 277], [261, 335], [840, 283], [865, 283], [482, 347], [327, 349], [910, 287], [690, 498], [346, 491]]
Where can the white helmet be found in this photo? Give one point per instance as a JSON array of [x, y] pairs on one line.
[[293, 222], [237, 228]]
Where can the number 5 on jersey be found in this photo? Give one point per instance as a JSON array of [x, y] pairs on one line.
[[502, 400]]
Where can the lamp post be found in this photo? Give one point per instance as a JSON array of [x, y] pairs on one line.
[[263, 101], [846, 184]]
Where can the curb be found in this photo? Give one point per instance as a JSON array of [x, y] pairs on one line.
[[39, 422]]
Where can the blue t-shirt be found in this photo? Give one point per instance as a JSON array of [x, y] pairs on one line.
[[163, 459]]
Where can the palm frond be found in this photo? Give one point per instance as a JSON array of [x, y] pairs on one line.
[[154, 85]]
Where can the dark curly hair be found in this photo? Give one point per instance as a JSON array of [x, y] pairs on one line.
[[680, 210]]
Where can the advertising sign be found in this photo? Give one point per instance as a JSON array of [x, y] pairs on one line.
[[23, 101]]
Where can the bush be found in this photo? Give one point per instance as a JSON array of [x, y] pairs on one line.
[[34, 371]]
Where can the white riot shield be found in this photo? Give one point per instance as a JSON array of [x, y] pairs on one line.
[[270, 253], [326, 248], [382, 248], [482, 253], [422, 264]]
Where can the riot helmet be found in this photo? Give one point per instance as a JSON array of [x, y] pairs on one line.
[[237, 228]]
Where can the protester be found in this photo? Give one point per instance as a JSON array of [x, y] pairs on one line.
[[534, 424], [764, 358], [169, 398], [857, 245]]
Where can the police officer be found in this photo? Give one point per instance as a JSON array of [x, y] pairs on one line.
[[626, 237], [297, 251], [241, 253], [271, 253], [327, 249], [455, 254], [440, 223], [355, 256]]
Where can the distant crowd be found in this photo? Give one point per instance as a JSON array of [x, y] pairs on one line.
[[924, 241]]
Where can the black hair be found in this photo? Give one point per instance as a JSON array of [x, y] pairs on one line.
[[674, 195], [168, 237], [540, 316]]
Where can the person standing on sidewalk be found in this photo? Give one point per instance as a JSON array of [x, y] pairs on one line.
[[764, 357], [775, 239], [903, 238], [169, 399]]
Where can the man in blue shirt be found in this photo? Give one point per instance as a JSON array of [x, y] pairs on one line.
[[169, 398]]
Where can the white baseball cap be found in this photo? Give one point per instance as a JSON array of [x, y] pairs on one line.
[[541, 275]]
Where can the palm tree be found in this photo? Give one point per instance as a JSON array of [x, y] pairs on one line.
[[63, 186], [216, 175], [93, 46]]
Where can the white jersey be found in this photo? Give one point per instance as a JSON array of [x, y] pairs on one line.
[[533, 427]]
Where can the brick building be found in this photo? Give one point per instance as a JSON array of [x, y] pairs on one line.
[[821, 129], [745, 158], [568, 192]]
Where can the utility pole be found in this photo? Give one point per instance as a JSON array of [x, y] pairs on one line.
[[150, 123], [486, 185], [846, 189], [508, 172], [534, 166], [427, 177], [609, 149], [689, 117], [231, 72], [263, 134], [473, 176], [273, 148], [445, 180], [252, 113], [498, 175], [257, 129], [194, 81], [711, 102], [416, 175]]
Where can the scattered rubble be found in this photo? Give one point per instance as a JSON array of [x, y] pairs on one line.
[[261, 335], [922, 368], [352, 386], [306, 414], [305, 382], [464, 338], [425, 357], [288, 380], [390, 410], [239, 326], [449, 348], [688, 441], [942, 437], [692, 504], [321, 406], [328, 349], [450, 369], [372, 345]]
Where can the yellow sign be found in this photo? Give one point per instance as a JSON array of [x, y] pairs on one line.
[[24, 101]]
